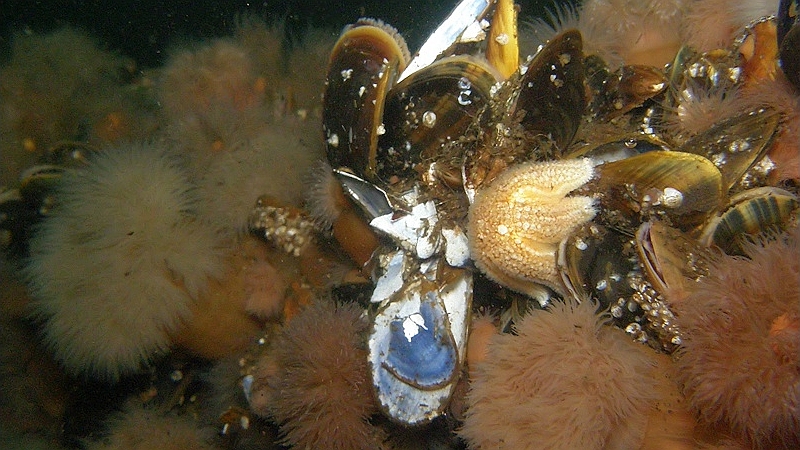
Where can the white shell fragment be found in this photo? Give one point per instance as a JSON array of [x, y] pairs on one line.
[[370, 198], [392, 279], [465, 14], [247, 387], [456, 246], [415, 232]]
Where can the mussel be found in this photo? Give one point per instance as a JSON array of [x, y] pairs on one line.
[[671, 259], [552, 98], [735, 145], [364, 64], [669, 184], [789, 40], [430, 107], [749, 214], [625, 89]]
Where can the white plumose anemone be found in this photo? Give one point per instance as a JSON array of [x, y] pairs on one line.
[[116, 265]]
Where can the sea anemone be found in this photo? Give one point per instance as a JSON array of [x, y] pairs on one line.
[[293, 89], [230, 313], [219, 73], [325, 199], [63, 86], [708, 25], [739, 362], [316, 377], [117, 264], [537, 31], [633, 32], [699, 108], [780, 95], [213, 99], [712, 24], [263, 42], [34, 395], [564, 381], [139, 427], [272, 163], [306, 86], [226, 115]]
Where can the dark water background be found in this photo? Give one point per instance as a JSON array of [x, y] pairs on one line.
[[144, 30]]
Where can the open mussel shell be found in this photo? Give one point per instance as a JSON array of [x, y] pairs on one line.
[[598, 263], [430, 107], [593, 261], [671, 259], [552, 97], [602, 264], [364, 64], [418, 343], [735, 145], [681, 186], [749, 214]]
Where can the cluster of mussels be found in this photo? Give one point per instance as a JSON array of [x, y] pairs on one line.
[[472, 179], [557, 176]]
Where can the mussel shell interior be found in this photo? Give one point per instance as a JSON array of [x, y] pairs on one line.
[[428, 358], [671, 259]]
